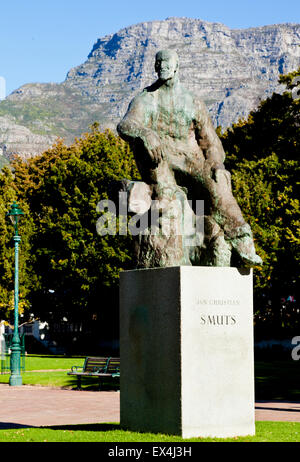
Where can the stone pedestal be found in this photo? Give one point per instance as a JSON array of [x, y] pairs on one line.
[[186, 347]]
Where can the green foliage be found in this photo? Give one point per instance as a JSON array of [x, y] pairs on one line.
[[8, 194], [29, 111], [263, 156], [69, 268], [54, 110], [291, 80], [3, 162]]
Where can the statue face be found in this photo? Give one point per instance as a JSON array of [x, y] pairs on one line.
[[166, 65]]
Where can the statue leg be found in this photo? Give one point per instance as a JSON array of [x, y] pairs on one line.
[[217, 250], [227, 213]]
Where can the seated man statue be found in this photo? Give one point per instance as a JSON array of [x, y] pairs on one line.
[[177, 151]]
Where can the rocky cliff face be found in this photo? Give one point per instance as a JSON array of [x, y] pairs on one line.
[[231, 70]]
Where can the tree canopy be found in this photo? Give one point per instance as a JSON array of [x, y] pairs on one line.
[[263, 156], [68, 271]]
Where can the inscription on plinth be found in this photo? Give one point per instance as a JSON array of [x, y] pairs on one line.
[[187, 351]]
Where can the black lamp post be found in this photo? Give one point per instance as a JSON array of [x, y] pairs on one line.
[[15, 213]]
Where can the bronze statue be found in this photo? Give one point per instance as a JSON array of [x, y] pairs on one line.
[[180, 157]]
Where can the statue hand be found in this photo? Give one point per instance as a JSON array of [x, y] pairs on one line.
[[153, 146]]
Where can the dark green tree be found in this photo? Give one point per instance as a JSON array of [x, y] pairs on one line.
[[263, 156], [8, 194], [72, 272]]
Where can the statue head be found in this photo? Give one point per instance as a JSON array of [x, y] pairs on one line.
[[166, 64]]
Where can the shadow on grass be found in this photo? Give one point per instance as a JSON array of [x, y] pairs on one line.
[[99, 427], [94, 427], [13, 426]]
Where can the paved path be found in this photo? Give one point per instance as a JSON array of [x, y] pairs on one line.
[[279, 411], [43, 406]]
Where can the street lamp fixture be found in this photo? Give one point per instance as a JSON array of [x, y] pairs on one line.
[[15, 214]]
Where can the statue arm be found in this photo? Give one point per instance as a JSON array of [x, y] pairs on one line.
[[207, 138], [133, 129]]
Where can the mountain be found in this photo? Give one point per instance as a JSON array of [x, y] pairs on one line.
[[231, 70]]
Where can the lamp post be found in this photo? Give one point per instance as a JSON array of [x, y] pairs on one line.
[[15, 213]]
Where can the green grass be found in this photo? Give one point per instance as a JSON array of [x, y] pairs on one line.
[[273, 380], [62, 380], [46, 379], [276, 380], [38, 362], [265, 432], [51, 371]]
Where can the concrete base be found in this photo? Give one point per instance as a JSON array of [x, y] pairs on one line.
[[186, 346]]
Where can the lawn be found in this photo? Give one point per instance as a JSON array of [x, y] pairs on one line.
[[52, 371], [40, 362], [55, 371], [112, 433], [274, 380]]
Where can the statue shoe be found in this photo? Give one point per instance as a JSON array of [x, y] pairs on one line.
[[244, 246]]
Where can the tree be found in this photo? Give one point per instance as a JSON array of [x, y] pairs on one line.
[[263, 156], [68, 271], [8, 194], [72, 272]]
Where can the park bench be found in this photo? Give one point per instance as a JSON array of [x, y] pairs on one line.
[[100, 367]]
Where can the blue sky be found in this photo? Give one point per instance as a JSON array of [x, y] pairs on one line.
[[41, 40]]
